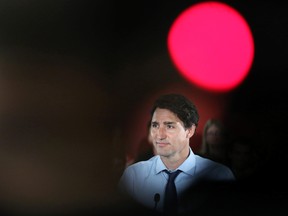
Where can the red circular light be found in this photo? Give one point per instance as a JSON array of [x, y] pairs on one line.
[[212, 46]]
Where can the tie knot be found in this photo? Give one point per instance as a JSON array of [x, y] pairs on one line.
[[172, 175]]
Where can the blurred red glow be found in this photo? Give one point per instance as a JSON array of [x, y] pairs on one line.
[[212, 46]]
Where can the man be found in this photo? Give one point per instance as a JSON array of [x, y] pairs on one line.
[[174, 119]]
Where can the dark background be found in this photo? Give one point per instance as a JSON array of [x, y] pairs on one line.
[[74, 78]]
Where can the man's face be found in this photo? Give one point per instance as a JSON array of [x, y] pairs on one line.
[[168, 134]]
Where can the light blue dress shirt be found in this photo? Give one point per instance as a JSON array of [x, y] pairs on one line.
[[144, 179]]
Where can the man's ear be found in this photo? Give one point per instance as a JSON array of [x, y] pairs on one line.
[[191, 131]]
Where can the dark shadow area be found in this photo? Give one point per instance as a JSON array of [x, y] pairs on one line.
[[71, 74]]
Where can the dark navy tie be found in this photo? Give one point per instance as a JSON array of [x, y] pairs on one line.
[[170, 199]]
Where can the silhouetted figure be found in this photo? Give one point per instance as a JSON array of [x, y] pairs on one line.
[[243, 158], [214, 141]]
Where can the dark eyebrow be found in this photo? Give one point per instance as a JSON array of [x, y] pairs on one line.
[[168, 123]]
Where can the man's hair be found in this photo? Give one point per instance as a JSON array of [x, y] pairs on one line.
[[185, 109]]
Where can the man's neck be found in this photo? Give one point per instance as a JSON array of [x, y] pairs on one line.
[[174, 161]]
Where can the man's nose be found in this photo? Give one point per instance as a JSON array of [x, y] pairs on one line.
[[161, 133]]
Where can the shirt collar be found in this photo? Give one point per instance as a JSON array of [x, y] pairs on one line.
[[188, 166]]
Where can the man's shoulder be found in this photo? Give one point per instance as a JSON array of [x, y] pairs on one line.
[[206, 162], [212, 168], [142, 165]]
